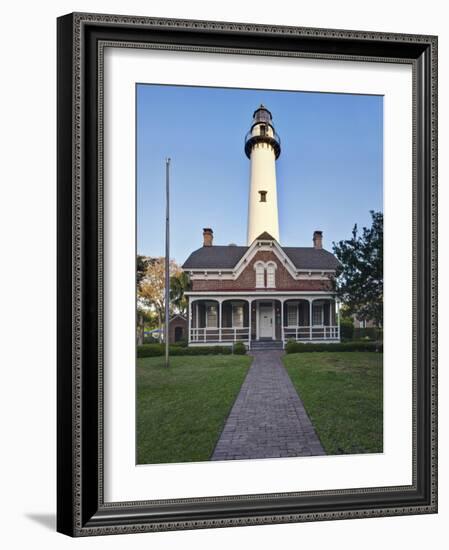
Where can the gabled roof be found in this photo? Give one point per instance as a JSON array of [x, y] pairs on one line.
[[227, 257], [215, 257], [178, 316], [265, 237], [311, 258]]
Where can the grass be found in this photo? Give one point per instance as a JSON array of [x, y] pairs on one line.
[[343, 395], [182, 410]]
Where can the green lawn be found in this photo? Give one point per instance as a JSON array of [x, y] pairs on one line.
[[182, 410], [343, 396]]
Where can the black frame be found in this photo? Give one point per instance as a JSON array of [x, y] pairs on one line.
[[81, 510]]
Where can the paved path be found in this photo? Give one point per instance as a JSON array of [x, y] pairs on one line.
[[268, 418]]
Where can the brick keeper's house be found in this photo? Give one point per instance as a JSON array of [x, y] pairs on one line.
[[264, 293]]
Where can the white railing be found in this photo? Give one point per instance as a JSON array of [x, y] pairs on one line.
[[312, 333], [217, 335]]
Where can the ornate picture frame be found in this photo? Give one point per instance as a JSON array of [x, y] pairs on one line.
[[81, 507]]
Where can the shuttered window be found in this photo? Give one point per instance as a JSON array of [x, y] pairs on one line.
[[237, 316], [211, 316], [317, 314], [292, 315]]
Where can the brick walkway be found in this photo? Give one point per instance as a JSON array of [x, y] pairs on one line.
[[268, 418]]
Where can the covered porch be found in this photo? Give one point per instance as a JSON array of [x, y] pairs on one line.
[[223, 320]]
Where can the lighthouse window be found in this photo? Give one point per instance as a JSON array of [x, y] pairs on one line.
[[263, 196], [263, 130]]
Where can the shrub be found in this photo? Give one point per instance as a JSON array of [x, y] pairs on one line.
[[290, 346], [371, 333], [299, 347], [239, 348], [346, 328], [158, 350], [181, 343]]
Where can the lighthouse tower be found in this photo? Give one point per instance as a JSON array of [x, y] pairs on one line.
[[262, 147]]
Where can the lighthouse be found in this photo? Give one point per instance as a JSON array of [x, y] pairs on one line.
[[262, 147]]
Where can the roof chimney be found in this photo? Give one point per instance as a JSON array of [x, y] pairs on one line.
[[317, 239], [208, 236]]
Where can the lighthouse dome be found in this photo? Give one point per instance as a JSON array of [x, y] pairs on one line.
[[262, 115]]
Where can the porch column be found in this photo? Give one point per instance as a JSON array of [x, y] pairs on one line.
[[257, 320], [337, 304], [282, 322], [310, 318], [250, 305], [190, 320], [220, 323]]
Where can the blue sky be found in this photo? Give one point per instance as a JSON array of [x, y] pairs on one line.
[[329, 174]]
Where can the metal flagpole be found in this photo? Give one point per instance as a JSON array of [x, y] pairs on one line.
[[167, 258]]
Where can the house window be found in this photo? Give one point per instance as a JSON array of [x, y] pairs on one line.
[[263, 196], [237, 316], [317, 315], [271, 276], [292, 315], [211, 316], [260, 275]]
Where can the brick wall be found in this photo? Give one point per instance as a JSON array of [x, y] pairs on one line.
[[177, 322], [247, 279]]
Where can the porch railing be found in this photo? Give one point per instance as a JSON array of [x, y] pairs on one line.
[[212, 335], [217, 335], [312, 333]]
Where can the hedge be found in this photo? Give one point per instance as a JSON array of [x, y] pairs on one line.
[[298, 347], [157, 350]]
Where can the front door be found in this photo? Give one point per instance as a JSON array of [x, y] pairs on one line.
[[266, 322]]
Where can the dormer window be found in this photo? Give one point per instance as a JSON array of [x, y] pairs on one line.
[[263, 196]]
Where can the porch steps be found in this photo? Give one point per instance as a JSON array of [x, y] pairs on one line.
[[262, 345]]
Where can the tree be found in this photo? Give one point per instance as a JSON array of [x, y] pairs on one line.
[[359, 281], [151, 290], [141, 265], [146, 319], [179, 283]]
